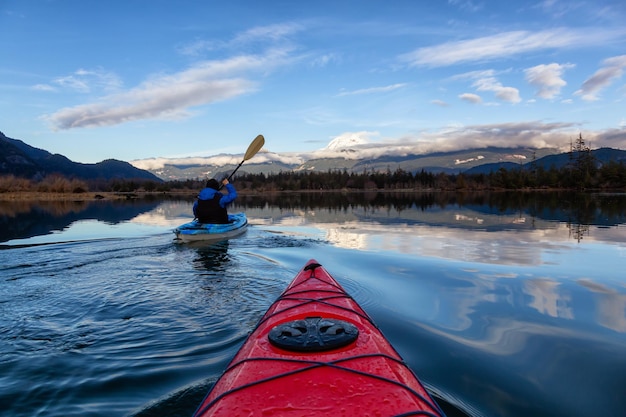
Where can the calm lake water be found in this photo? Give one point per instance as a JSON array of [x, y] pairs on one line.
[[503, 305]]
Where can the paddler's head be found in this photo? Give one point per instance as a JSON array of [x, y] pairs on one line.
[[212, 183]]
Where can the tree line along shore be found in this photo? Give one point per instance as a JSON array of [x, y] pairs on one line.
[[581, 174]]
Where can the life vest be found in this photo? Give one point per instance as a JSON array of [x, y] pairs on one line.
[[210, 211]]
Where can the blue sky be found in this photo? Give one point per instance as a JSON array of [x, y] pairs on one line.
[[139, 79]]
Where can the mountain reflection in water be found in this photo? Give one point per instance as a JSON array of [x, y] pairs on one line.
[[547, 217], [24, 219]]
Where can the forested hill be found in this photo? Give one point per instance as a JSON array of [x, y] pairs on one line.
[[22, 160]]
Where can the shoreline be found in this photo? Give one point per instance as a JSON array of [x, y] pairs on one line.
[[87, 196], [116, 195]]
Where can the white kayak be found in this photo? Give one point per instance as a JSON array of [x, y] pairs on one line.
[[195, 231]]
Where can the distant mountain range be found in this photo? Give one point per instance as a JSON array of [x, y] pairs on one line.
[[472, 161], [349, 159], [600, 156], [20, 159]]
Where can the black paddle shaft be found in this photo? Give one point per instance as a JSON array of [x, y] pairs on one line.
[[253, 148]]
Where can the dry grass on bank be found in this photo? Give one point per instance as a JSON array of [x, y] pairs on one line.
[[84, 196], [54, 196]]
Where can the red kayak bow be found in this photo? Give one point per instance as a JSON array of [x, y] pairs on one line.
[[317, 353]]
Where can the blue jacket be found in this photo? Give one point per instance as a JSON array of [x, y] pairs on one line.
[[209, 194]]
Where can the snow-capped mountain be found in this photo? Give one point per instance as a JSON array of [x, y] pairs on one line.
[[349, 155], [347, 141], [366, 152]]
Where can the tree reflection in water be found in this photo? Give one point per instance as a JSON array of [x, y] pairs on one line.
[[579, 211]]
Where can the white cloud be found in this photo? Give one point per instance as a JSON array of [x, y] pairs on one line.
[[467, 5], [171, 96], [84, 81], [471, 98], [324, 60], [372, 90], [547, 79], [277, 32], [155, 100], [509, 94], [365, 144], [611, 138], [473, 75], [558, 9], [503, 45], [43, 87], [197, 47], [273, 34], [485, 80], [527, 134], [439, 103], [612, 70], [73, 83], [217, 160]]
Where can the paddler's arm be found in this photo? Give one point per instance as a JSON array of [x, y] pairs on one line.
[[230, 197]]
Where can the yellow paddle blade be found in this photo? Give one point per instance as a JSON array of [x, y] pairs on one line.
[[254, 147]]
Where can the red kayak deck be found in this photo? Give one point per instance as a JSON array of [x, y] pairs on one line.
[[317, 353]]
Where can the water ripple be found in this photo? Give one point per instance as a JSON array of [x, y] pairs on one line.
[[118, 326]]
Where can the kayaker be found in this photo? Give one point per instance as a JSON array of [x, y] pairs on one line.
[[210, 206]]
